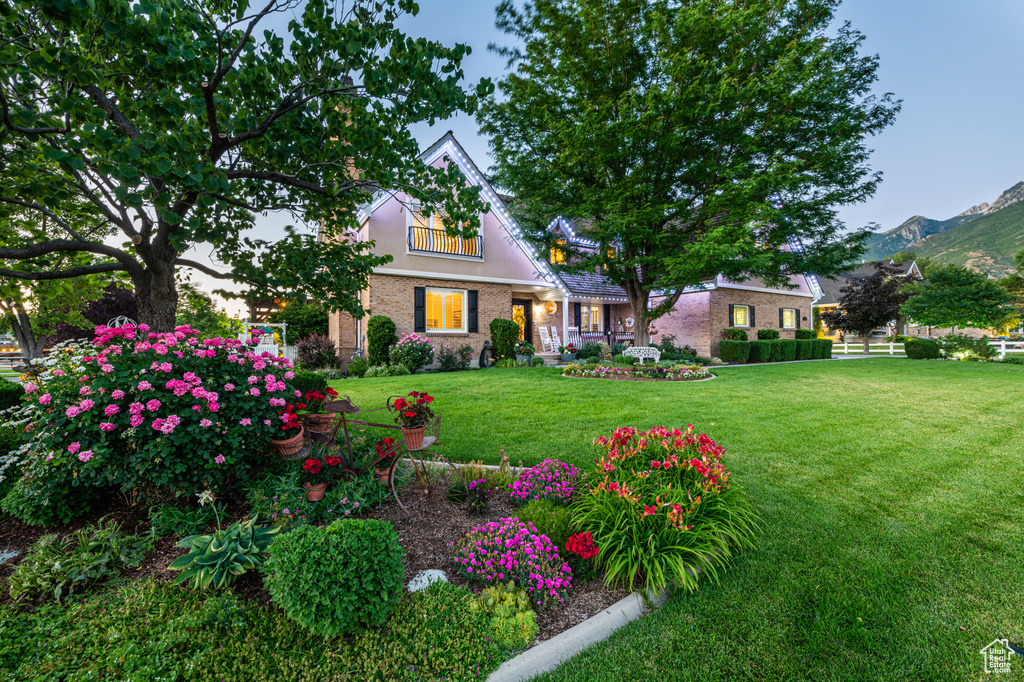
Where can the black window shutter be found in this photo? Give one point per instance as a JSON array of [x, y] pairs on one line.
[[752, 322], [797, 313], [473, 324], [419, 305], [732, 315], [607, 317], [577, 316], [782, 318]]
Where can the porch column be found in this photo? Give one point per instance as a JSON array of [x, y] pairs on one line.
[[565, 320]]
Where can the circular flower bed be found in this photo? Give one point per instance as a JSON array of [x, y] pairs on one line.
[[677, 373]]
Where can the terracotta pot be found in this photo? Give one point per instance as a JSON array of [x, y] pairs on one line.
[[382, 474], [413, 438], [321, 423], [315, 493], [288, 446]]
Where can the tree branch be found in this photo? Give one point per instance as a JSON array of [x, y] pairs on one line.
[[184, 262], [6, 118], [64, 274], [63, 245]]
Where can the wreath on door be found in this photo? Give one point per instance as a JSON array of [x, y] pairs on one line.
[[629, 323]]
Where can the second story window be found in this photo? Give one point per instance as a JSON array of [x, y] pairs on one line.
[[558, 251], [427, 235]]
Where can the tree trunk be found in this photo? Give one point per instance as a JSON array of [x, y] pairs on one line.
[[31, 345], [157, 295], [867, 340], [640, 322]]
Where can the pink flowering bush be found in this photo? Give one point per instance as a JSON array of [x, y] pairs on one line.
[[663, 507], [550, 480], [509, 549], [413, 351], [149, 411]]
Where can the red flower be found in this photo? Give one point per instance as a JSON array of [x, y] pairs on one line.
[[312, 466], [332, 461], [410, 414]]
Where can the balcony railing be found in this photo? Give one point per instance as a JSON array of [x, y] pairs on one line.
[[429, 240]]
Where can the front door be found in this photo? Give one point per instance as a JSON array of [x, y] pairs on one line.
[[522, 314]]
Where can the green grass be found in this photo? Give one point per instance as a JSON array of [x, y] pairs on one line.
[[890, 497]]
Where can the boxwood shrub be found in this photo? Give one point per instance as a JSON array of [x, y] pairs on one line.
[[802, 334], [787, 349], [767, 334], [734, 334], [826, 348], [818, 346], [504, 336], [922, 349], [333, 580], [733, 351], [309, 381], [804, 348], [760, 351], [774, 350], [10, 393], [381, 334]]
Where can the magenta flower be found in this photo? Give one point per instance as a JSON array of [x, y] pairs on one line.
[[87, 405], [206, 423], [229, 387], [245, 422], [117, 394], [219, 459], [29, 388], [145, 385], [85, 456], [153, 405], [137, 420], [111, 409], [74, 447], [107, 426], [72, 411], [44, 399]]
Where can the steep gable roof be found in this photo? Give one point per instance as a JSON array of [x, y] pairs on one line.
[[831, 288]]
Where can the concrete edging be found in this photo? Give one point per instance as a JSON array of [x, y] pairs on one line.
[[551, 653]]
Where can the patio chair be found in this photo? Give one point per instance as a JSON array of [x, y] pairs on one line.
[[555, 341], [545, 340]]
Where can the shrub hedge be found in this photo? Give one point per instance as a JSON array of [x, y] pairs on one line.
[[767, 334], [826, 348], [922, 349], [818, 349], [381, 335], [734, 334], [10, 393], [787, 349], [802, 334], [774, 350], [804, 348], [760, 351], [308, 381], [589, 350], [734, 351], [504, 336]]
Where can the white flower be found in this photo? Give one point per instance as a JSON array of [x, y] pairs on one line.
[[205, 497]]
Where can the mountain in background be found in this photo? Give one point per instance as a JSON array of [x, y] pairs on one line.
[[984, 237]]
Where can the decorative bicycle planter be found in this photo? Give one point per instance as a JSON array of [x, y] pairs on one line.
[[289, 447]]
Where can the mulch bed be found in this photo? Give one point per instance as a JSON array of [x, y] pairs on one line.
[[426, 535]]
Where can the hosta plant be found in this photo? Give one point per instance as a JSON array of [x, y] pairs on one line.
[[663, 507], [219, 558]]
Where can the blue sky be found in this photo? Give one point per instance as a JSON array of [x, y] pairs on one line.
[[958, 141]]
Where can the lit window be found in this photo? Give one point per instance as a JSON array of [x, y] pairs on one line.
[[740, 316], [789, 318], [558, 251], [445, 310], [610, 253], [590, 318]]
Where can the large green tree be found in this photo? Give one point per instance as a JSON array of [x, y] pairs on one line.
[[954, 296], [179, 122], [694, 137]]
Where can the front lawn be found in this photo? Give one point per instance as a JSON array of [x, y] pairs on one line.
[[889, 493]]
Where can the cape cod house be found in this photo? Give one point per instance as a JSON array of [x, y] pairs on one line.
[[450, 288]]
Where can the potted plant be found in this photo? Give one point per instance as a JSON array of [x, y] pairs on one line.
[[289, 437], [414, 416], [385, 453], [524, 351], [568, 352], [316, 418], [317, 472]]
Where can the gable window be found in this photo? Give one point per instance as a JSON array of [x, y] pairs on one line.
[[428, 236], [610, 253], [446, 310], [788, 318], [558, 251], [740, 315]]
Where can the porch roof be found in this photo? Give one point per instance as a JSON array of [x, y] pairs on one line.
[[591, 284]]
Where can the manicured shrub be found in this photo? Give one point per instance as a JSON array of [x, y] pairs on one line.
[[1013, 359], [804, 348], [826, 348], [305, 381], [802, 334], [922, 349], [551, 480], [550, 519], [624, 360], [395, 371], [333, 580], [787, 349], [511, 549], [664, 508], [317, 350], [963, 347], [10, 393], [818, 349], [734, 351], [593, 360], [774, 350], [454, 359], [767, 334], [760, 351], [413, 351], [381, 335], [734, 334], [536, 362], [589, 350], [357, 367], [504, 336], [152, 412]]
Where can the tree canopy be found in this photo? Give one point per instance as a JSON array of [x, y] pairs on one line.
[[687, 139], [955, 296], [178, 123], [868, 303], [303, 319]]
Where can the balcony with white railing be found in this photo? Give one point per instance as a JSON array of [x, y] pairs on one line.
[[429, 240]]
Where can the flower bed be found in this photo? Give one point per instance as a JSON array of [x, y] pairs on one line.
[[685, 373]]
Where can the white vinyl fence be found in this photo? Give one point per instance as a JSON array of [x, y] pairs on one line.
[[1004, 346]]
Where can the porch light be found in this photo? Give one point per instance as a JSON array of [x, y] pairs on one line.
[[550, 307]]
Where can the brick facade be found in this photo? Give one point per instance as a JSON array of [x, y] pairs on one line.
[[699, 317]]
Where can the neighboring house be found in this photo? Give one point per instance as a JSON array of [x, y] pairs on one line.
[[450, 289]]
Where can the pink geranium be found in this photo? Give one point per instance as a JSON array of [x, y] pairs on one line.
[[85, 455], [74, 447]]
